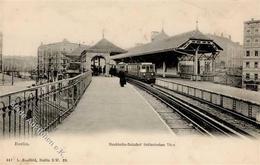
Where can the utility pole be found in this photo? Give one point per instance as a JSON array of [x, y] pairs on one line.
[[3, 76], [12, 77], [196, 63], [38, 72], [12, 72]]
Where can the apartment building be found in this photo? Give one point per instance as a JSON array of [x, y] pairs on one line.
[[251, 59]]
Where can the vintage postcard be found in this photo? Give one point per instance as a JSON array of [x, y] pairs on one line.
[[129, 82]]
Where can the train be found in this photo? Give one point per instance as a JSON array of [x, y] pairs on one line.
[[144, 71]]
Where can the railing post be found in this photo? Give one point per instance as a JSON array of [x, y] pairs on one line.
[[3, 116], [249, 110], [221, 100], [14, 121], [20, 118], [234, 104], [9, 119]]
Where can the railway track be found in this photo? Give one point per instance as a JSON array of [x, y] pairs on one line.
[[204, 122]]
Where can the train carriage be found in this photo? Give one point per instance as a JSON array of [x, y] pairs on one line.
[[142, 71], [121, 67]]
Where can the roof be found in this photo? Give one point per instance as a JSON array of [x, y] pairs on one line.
[[64, 41], [222, 41], [161, 36], [163, 45], [78, 51], [252, 21], [105, 46]]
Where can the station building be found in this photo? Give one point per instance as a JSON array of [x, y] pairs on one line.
[[98, 56], [1, 52], [251, 60]]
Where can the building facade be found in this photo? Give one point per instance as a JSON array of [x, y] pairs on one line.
[[251, 59], [228, 64], [232, 54], [53, 59], [1, 52]]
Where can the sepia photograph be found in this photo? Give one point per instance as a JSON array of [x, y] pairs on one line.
[[119, 82]]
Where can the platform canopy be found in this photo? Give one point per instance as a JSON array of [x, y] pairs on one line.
[[183, 44]]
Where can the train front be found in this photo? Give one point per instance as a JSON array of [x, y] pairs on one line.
[[147, 72]]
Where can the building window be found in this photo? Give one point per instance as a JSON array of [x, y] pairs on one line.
[[256, 30], [248, 41], [256, 64], [256, 53], [256, 76], [247, 53], [248, 31], [247, 75], [256, 40], [247, 64]]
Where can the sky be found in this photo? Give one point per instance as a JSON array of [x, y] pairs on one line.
[[26, 24]]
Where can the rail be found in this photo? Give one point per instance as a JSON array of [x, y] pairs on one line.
[[44, 105], [247, 109], [204, 122]]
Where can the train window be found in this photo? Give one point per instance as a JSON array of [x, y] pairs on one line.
[[147, 68], [151, 68]]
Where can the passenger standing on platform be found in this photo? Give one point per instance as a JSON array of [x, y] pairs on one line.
[[122, 79], [99, 70], [110, 71], [104, 69], [114, 71]]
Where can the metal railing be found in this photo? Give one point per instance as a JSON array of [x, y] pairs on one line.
[[247, 108], [46, 105]]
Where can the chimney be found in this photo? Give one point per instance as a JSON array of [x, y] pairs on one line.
[[252, 19], [229, 37], [222, 35], [153, 35]]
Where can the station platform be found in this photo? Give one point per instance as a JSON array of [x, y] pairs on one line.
[[233, 92], [106, 107]]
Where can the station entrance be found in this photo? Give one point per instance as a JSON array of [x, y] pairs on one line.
[[98, 56], [98, 65]]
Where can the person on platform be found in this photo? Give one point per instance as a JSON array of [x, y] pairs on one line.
[[122, 79], [110, 71], [99, 70], [104, 70]]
